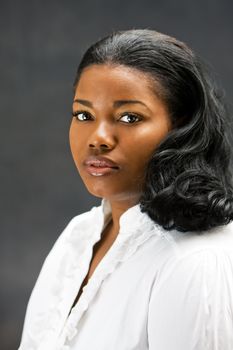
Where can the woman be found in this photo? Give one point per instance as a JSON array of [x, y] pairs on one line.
[[152, 266]]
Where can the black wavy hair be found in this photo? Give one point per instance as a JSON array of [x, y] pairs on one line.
[[188, 182]]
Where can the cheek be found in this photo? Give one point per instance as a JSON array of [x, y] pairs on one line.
[[71, 133], [75, 136], [74, 142], [144, 143], [153, 133]]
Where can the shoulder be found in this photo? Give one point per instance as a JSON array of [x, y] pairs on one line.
[[197, 267], [70, 238], [192, 295], [216, 239], [57, 258], [174, 248], [54, 273], [77, 226]]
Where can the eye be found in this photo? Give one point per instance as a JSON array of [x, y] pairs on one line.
[[130, 118], [82, 116]]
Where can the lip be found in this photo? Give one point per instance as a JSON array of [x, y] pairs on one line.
[[99, 166], [100, 162]]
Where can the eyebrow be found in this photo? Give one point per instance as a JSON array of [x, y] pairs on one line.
[[116, 104]]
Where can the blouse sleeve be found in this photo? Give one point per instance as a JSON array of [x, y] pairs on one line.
[[191, 304], [40, 299]]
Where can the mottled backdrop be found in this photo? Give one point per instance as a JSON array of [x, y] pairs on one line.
[[41, 43]]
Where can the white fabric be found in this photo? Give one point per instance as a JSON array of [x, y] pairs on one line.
[[154, 289]]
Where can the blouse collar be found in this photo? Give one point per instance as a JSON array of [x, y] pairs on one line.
[[133, 219]]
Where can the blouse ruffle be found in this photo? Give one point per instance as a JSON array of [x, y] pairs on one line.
[[135, 229]]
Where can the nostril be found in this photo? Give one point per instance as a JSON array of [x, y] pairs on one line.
[[101, 146]]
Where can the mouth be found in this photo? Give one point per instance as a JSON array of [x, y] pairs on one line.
[[100, 166], [100, 171]]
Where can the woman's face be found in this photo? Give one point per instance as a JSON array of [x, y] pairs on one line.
[[115, 116]]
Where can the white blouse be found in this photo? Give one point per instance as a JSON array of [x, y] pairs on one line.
[[154, 289]]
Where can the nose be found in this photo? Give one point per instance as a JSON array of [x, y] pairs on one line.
[[103, 137]]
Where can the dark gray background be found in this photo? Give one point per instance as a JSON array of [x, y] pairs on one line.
[[41, 44]]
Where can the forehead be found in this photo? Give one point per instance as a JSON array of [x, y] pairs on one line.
[[115, 80]]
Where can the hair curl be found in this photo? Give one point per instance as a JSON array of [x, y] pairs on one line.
[[188, 182]]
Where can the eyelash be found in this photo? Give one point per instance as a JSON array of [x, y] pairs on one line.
[[75, 115]]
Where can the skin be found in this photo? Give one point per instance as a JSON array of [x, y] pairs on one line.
[[108, 132]]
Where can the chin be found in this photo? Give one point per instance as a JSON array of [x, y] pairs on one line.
[[100, 193], [116, 196]]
